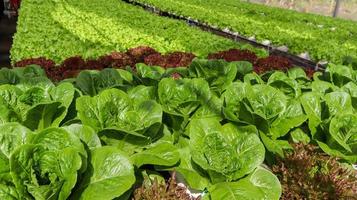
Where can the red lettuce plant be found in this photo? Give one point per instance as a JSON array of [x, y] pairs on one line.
[[308, 173]]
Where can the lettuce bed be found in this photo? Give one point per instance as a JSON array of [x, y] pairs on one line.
[[217, 124], [70, 67], [322, 37], [58, 29]]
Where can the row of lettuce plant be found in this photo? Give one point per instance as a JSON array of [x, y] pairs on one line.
[[70, 67], [218, 125], [322, 37], [59, 29]]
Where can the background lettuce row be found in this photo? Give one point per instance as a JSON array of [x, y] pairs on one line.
[[59, 29], [324, 38], [102, 138]]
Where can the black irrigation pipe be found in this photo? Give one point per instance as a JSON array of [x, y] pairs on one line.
[[296, 60]]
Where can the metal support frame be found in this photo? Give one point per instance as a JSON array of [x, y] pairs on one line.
[[337, 8], [8, 10]]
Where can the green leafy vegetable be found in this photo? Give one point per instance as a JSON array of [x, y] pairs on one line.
[[224, 150], [111, 174], [47, 166], [113, 109], [261, 184], [218, 73], [162, 153], [36, 107]]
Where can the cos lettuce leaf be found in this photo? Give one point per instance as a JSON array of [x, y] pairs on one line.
[[182, 97], [12, 136], [92, 82], [339, 75], [111, 174], [160, 153], [261, 184], [48, 166], [225, 152], [281, 81], [86, 134], [114, 109], [218, 73], [36, 107], [187, 170], [263, 106]]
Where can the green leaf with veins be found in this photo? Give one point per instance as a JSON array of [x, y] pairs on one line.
[[113, 109], [159, 153], [111, 174], [48, 165], [225, 152], [261, 184], [182, 97]]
